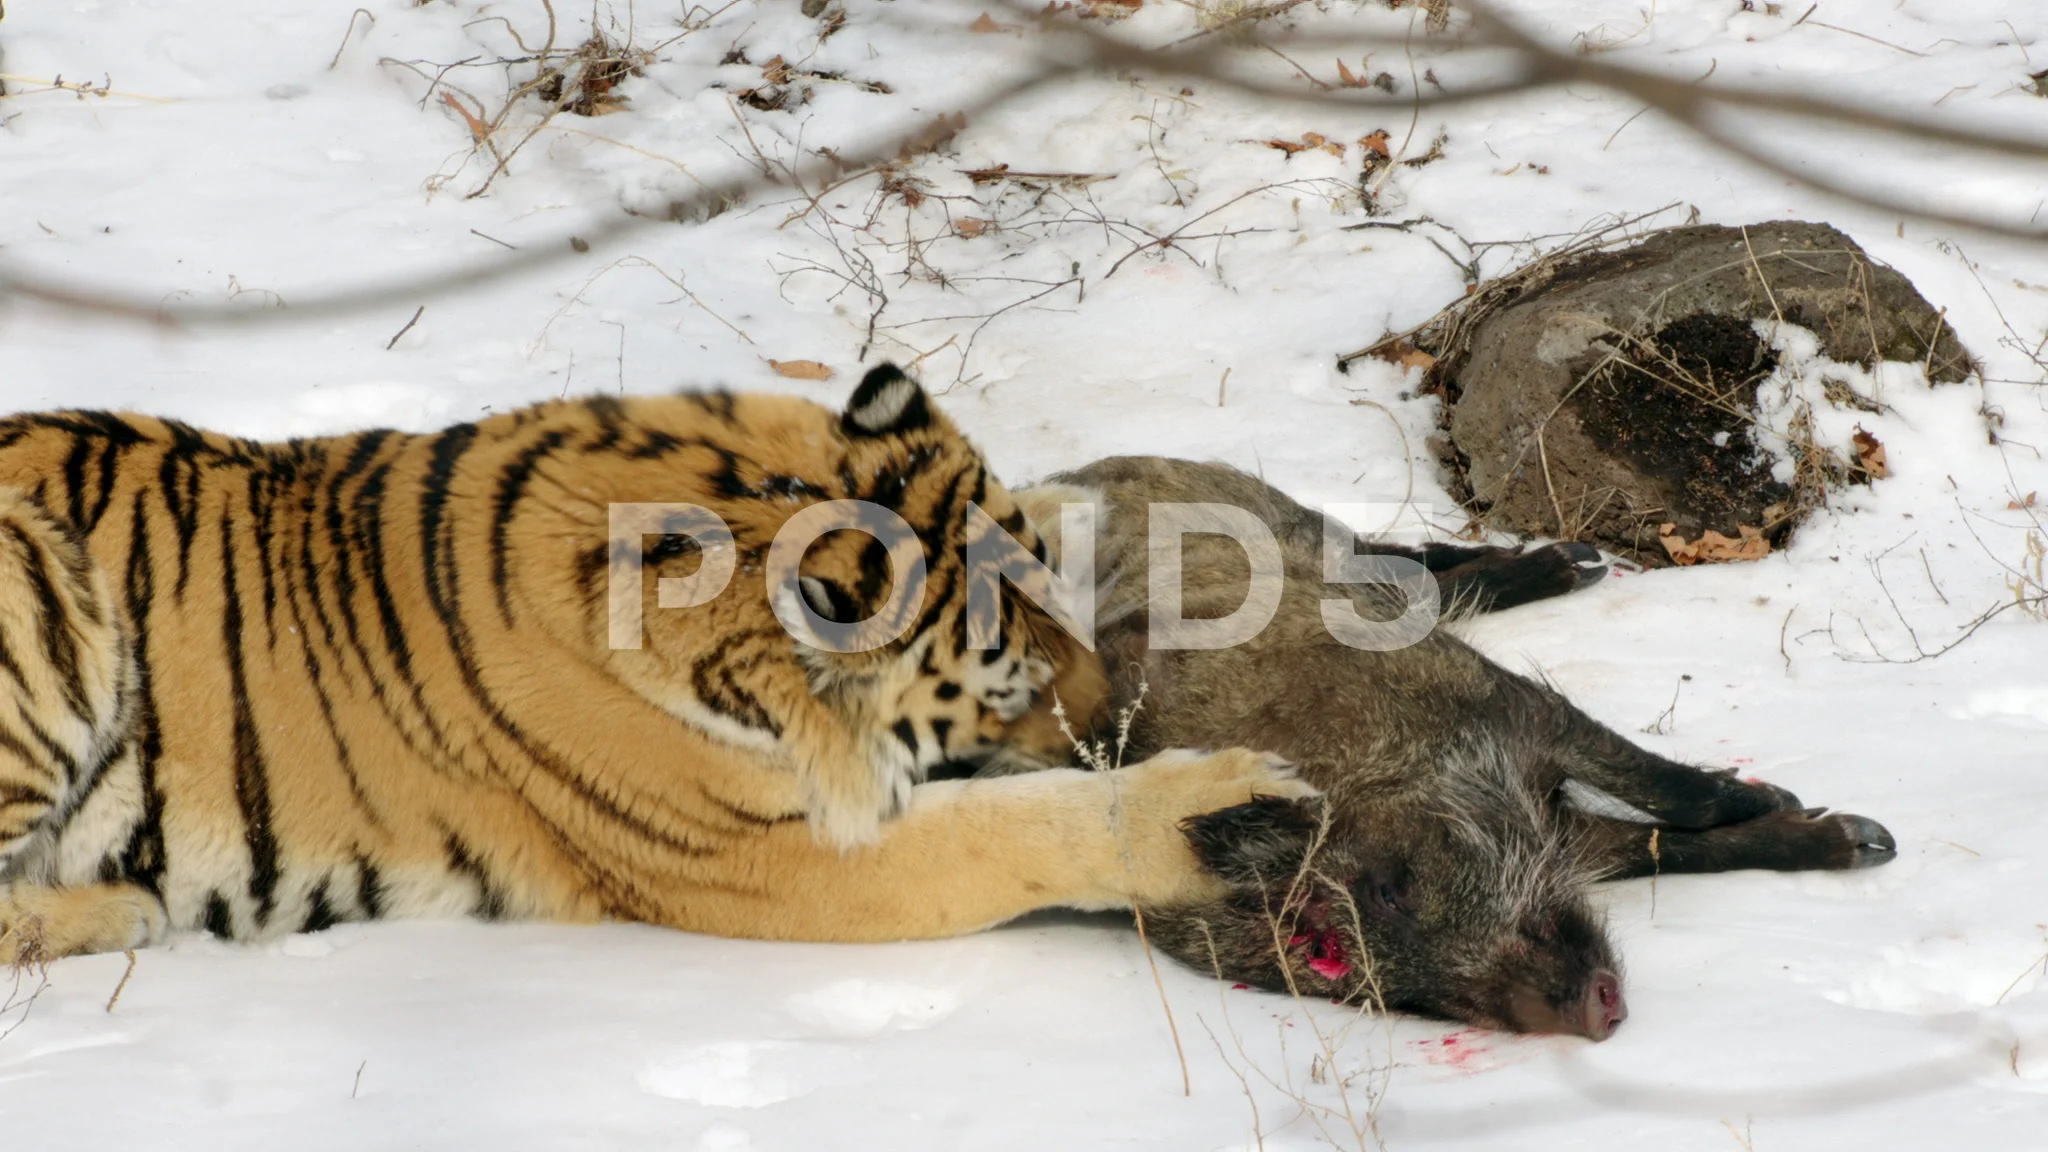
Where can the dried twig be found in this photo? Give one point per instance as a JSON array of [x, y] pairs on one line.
[[122, 986], [417, 313], [1066, 51], [348, 33]]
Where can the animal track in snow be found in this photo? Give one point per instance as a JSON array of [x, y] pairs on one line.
[[59, 1047], [733, 1074], [855, 1008], [2021, 705], [725, 1136], [1949, 974]]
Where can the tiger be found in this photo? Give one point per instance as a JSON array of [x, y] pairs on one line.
[[257, 688]]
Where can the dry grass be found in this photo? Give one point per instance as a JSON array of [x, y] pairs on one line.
[[1351, 1052], [23, 953], [546, 78], [1107, 758]]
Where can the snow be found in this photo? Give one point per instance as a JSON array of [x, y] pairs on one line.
[[231, 165]]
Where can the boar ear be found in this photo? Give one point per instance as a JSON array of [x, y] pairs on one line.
[[1264, 842], [1042, 505]]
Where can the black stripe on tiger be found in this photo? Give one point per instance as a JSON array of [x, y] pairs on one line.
[[367, 536], [53, 625], [142, 859], [319, 913], [178, 483], [316, 679], [369, 889], [22, 795], [440, 570], [110, 434], [463, 862], [749, 818], [219, 920], [252, 773], [11, 666], [53, 752], [263, 486], [713, 683], [339, 549], [512, 482], [309, 581]]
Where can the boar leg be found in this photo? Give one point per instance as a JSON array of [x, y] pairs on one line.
[[1795, 841], [1601, 768], [1477, 578]]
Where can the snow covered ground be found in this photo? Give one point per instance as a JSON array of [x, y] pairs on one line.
[[230, 155]]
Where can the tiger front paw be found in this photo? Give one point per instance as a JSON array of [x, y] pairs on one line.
[[1166, 795], [1206, 781], [848, 808]]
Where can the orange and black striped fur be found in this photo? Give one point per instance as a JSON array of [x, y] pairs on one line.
[[259, 688]]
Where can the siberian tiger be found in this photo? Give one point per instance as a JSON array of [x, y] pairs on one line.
[[261, 688]]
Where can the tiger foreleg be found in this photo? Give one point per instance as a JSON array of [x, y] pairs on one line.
[[968, 854], [65, 694], [39, 924]]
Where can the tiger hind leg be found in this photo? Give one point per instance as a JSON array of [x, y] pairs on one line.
[[39, 924]]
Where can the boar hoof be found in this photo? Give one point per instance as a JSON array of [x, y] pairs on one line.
[[1869, 843], [1588, 565]]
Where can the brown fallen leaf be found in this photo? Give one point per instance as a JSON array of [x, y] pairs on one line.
[[1869, 454], [2021, 505], [987, 23], [478, 130], [1712, 547], [1346, 78], [969, 227], [1405, 355], [1309, 140], [933, 136], [801, 369], [1377, 142]]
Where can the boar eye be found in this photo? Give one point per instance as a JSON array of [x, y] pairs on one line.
[[1385, 894]]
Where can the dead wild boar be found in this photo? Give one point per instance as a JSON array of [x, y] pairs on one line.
[[1467, 808]]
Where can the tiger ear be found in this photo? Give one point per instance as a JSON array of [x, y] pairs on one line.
[[887, 403]]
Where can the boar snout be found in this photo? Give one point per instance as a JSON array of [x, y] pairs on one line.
[[1599, 1011], [1604, 1008]]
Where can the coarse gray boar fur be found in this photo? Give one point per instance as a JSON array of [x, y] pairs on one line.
[[1467, 809]]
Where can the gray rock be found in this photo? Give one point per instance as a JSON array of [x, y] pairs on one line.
[[1597, 398]]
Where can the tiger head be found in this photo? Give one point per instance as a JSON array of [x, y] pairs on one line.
[[842, 568]]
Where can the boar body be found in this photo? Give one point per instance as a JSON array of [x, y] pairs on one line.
[[1467, 809]]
